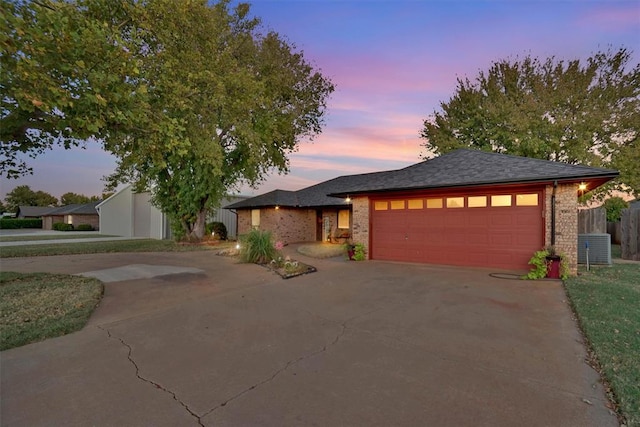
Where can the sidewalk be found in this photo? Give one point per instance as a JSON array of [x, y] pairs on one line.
[[91, 236]]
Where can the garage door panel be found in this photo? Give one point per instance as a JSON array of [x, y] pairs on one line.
[[503, 237]]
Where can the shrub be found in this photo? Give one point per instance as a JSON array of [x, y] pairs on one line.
[[61, 226], [84, 227], [15, 223], [359, 252], [614, 207], [257, 247], [218, 228]]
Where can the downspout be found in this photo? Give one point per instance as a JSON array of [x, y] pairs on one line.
[[236, 214], [553, 213]]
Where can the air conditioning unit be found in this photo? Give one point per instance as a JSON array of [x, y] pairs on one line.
[[599, 246]]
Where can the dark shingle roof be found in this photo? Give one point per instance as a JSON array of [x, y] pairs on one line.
[[33, 211], [460, 168], [76, 209]]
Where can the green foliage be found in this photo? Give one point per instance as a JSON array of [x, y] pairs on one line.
[[359, 252], [569, 111], [84, 227], [257, 247], [69, 74], [614, 207], [61, 226], [76, 199], [15, 223], [540, 264], [37, 306], [18, 223], [218, 228], [23, 195]]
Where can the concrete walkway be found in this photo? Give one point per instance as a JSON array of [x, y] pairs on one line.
[[209, 342], [82, 237]]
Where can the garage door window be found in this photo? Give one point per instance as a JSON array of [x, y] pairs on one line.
[[526, 200], [416, 204], [455, 202], [434, 203], [503, 200], [477, 201], [381, 206], [397, 204]]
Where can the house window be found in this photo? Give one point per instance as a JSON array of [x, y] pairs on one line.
[[397, 204], [526, 200], [69, 219], [255, 218], [416, 204], [434, 203], [381, 206], [455, 202], [477, 201], [504, 200], [343, 218]]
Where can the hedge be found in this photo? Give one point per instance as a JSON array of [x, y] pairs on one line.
[[15, 223], [84, 227], [61, 226]]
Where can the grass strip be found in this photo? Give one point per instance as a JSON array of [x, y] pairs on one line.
[[606, 301], [75, 248], [37, 306]]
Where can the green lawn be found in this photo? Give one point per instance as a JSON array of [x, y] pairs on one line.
[[37, 306], [607, 303], [139, 245]]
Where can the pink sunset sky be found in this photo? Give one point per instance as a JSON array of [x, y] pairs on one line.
[[393, 63]]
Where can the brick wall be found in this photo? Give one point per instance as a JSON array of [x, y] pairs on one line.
[[76, 220], [287, 225], [566, 222], [360, 221]]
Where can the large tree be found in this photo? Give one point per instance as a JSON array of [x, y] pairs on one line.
[[573, 111], [67, 76], [23, 195], [205, 104], [71, 198]]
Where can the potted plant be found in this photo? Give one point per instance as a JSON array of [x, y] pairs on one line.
[[547, 263], [350, 248]]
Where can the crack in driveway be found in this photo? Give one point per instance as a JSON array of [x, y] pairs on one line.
[[281, 370], [149, 381]]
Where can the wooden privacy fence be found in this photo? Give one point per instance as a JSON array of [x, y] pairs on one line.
[[630, 230], [592, 221]]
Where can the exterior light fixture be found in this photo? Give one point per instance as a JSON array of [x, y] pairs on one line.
[[348, 199], [277, 207], [582, 186], [237, 245]]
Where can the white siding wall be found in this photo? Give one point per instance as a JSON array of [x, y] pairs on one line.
[[116, 214]]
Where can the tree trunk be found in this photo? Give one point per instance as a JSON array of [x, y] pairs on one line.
[[198, 227]]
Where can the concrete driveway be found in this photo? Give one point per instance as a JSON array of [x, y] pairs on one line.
[[213, 343]]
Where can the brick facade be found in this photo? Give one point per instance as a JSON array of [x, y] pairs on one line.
[[287, 225], [566, 222], [360, 221], [76, 220]]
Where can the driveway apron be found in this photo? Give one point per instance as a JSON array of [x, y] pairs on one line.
[[217, 343]]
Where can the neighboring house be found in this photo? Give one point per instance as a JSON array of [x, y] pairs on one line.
[[130, 214], [466, 207], [33, 211], [72, 214]]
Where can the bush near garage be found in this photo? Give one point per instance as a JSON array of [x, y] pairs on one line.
[[17, 223], [84, 227]]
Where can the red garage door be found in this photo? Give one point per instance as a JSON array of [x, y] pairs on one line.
[[490, 229]]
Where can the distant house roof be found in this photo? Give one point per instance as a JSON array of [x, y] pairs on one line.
[[75, 209], [32, 211], [459, 168]]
